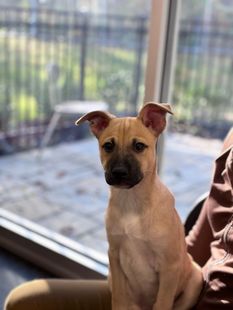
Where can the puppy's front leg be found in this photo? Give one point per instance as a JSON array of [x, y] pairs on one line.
[[167, 289], [120, 297]]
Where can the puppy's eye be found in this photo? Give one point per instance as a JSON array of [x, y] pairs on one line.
[[108, 147], [139, 147]]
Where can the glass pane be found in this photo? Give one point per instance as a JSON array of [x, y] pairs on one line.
[[51, 57], [202, 98]]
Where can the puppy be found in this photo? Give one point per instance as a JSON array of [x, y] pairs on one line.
[[149, 264]]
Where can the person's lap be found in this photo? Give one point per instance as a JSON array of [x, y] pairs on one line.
[[56, 294]]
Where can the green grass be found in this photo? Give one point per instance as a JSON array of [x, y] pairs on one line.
[[202, 87], [24, 79], [202, 84]]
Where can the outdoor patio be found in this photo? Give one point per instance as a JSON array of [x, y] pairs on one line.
[[63, 188]]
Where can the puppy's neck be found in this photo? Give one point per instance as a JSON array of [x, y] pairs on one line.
[[136, 197]]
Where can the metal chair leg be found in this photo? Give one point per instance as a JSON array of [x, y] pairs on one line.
[[50, 129]]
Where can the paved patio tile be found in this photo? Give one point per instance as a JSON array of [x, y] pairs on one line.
[[88, 205], [33, 208], [69, 224], [100, 215], [95, 186], [16, 191], [97, 240]]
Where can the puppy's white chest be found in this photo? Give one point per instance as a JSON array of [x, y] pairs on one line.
[[129, 225]]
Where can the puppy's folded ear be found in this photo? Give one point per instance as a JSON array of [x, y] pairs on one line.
[[98, 121], [153, 116]]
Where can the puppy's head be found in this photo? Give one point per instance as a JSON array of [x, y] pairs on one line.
[[127, 145]]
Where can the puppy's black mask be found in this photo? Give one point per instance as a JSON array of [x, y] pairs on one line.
[[123, 171]]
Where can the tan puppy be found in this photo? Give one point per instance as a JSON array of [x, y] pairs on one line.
[[149, 265]]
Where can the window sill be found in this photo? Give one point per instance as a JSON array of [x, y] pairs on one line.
[[50, 251]]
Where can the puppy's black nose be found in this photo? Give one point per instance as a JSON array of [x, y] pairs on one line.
[[119, 172]]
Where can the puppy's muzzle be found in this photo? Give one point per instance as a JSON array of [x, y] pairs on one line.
[[120, 173], [124, 174]]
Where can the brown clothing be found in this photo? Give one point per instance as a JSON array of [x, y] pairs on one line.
[[210, 242]]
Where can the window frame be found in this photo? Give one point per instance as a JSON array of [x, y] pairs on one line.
[[50, 251]]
